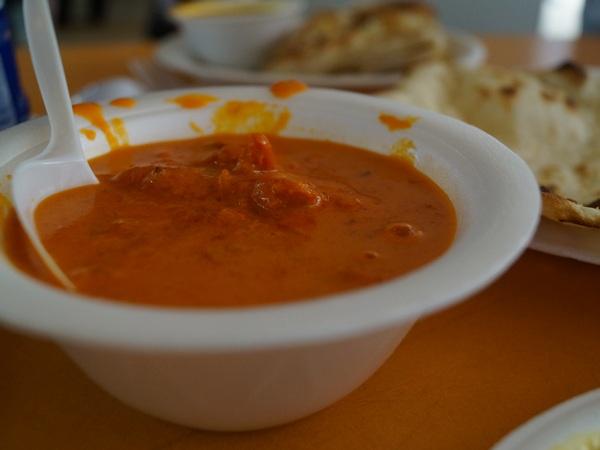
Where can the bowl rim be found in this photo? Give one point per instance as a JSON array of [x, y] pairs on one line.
[[285, 10], [40, 309]]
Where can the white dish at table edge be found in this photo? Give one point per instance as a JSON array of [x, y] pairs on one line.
[[242, 369], [575, 417], [468, 51]]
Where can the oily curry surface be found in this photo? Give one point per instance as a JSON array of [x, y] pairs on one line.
[[239, 220]]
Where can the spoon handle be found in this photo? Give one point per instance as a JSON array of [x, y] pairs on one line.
[[50, 75]]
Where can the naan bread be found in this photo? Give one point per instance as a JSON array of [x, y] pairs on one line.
[[368, 39], [551, 119]]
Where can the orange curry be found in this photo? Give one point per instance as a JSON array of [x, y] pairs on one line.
[[239, 220]]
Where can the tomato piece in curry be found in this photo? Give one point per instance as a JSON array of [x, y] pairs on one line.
[[239, 220]]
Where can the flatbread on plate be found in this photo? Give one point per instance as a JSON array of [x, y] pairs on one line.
[[363, 39], [551, 119]]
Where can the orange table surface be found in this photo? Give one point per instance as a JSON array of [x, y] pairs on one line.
[[461, 379]]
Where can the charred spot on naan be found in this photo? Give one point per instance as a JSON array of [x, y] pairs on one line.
[[571, 73], [510, 90], [562, 209]]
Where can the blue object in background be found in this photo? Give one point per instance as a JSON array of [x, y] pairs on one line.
[[14, 107], [591, 17]]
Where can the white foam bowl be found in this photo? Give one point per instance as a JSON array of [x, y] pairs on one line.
[[239, 41], [241, 369]]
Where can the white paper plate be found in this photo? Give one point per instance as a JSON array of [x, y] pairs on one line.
[[466, 49], [570, 241], [571, 419], [566, 240]]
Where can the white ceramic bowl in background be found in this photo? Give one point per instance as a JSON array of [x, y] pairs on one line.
[[237, 40], [240, 369]]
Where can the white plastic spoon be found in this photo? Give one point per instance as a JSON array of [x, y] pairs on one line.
[[62, 164]]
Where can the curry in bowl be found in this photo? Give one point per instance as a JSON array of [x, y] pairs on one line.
[[237, 220]]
